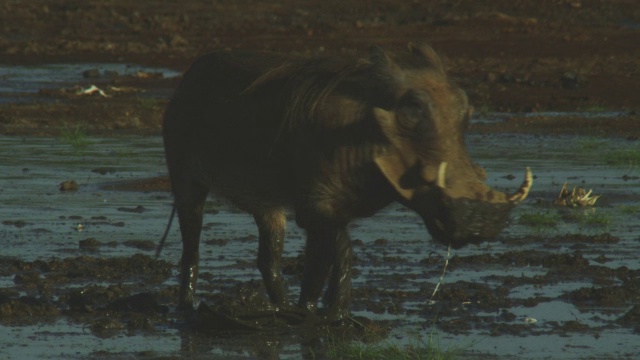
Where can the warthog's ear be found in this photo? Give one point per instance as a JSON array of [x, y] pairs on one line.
[[396, 163], [430, 56], [382, 62]]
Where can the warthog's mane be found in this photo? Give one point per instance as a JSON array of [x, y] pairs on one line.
[[333, 98], [305, 84]]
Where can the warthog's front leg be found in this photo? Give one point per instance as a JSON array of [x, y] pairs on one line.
[[271, 225], [338, 296], [328, 247]]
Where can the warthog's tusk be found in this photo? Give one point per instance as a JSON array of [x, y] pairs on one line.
[[522, 193], [442, 169]]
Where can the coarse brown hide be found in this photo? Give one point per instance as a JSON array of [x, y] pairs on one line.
[[334, 139]]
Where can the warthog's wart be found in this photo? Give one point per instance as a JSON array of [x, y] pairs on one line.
[[334, 139]]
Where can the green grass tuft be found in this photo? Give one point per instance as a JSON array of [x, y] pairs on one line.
[[75, 137], [629, 157], [595, 108], [150, 103], [483, 111], [590, 144], [629, 209], [540, 220], [594, 218]]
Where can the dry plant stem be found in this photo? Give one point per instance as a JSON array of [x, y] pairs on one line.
[[444, 270]]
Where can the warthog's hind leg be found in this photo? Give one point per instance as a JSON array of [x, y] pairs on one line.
[[189, 205], [271, 225]]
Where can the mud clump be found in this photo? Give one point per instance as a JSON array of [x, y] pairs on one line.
[[26, 310], [608, 296], [17, 223], [472, 295], [631, 319], [52, 288], [88, 268], [523, 258], [68, 185]]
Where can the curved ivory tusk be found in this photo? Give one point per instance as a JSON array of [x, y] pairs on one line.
[[442, 169], [522, 193]]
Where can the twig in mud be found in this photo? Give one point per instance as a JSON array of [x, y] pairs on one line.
[[444, 270]]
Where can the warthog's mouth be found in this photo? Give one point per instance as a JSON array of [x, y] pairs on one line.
[[465, 221], [457, 220]]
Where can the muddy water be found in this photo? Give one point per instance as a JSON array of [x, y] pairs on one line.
[[565, 291]]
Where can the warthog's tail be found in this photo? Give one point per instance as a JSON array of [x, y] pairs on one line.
[[166, 232]]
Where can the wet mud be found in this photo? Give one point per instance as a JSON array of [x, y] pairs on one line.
[[85, 196], [78, 267], [134, 299]]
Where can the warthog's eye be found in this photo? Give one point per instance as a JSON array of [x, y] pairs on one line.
[[412, 114]]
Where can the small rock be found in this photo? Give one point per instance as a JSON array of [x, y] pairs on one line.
[[89, 244], [27, 278], [575, 4], [507, 78], [18, 223], [91, 74], [69, 185], [107, 327], [141, 244], [111, 74], [104, 170], [138, 209], [381, 242], [571, 80], [491, 77], [177, 40]]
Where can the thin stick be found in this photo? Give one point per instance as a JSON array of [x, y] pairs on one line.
[[444, 270]]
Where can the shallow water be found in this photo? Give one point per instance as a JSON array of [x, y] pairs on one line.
[[41, 222], [18, 81]]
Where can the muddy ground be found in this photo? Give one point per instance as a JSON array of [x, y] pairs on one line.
[[515, 57], [526, 56]]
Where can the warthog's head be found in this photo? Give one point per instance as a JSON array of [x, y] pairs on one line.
[[427, 161]]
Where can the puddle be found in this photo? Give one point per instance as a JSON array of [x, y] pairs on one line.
[[498, 117], [397, 264]]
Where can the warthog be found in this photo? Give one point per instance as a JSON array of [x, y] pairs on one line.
[[333, 139]]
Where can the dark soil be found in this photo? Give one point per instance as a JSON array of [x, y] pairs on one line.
[[526, 56]]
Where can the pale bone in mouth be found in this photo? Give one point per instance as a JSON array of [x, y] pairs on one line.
[[518, 197], [577, 197]]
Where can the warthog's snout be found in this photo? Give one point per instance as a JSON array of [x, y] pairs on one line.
[[457, 219]]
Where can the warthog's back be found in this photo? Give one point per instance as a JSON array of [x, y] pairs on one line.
[[248, 124]]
